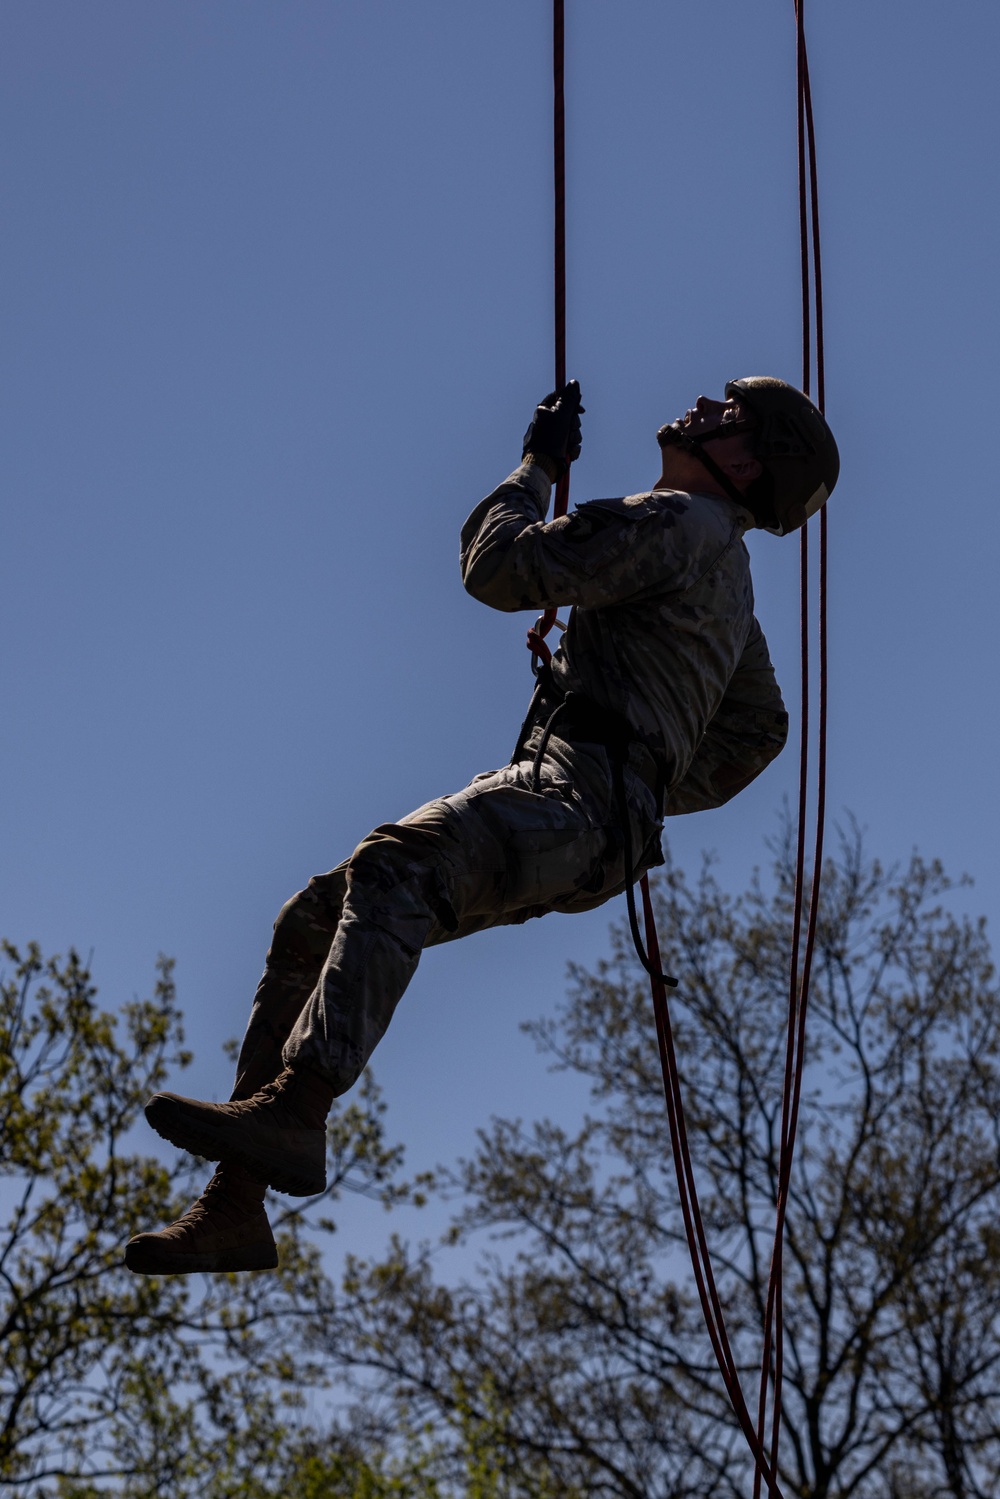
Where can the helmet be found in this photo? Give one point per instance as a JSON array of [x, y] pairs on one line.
[[792, 442], [796, 448]]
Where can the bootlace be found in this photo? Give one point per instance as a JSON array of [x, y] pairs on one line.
[[266, 1094], [224, 1196], [197, 1212]]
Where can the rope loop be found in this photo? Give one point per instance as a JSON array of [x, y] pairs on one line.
[[765, 1456], [798, 984]]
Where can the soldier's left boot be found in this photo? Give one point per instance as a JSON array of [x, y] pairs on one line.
[[226, 1229], [278, 1135]]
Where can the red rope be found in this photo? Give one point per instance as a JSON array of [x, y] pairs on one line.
[[765, 1463], [536, 641], [694, 1228], [559, 184], [686, 1186], [812, 315], [766, 1468]]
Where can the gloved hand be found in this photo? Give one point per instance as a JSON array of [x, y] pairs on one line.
[[554, 432]]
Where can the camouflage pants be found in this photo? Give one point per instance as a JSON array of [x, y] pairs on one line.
[[346, 946]]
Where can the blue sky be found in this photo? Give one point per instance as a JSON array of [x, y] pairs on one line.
[[275, 301]]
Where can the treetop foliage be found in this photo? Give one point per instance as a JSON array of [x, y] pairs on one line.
[[573, 1361]]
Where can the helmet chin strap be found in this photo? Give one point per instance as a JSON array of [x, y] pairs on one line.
[[673, 437]]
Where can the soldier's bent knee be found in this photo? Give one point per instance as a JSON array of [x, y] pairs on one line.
[[401, 861]]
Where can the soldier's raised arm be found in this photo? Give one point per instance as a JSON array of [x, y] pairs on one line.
[[598, 555], [513, 559]]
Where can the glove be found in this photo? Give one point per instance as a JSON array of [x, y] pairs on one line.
[[554, 431]]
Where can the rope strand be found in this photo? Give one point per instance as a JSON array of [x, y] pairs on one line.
[[541, 655], [559, 182], [812, 317], [765, 1462]]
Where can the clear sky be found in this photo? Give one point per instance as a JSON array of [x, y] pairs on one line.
[[275, 300]]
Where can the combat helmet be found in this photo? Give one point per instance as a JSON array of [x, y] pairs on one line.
[[796, 448], [791, 440]]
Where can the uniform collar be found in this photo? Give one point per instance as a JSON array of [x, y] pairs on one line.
[[741, 513]]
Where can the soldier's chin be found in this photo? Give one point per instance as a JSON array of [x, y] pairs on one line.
[[670, 435]]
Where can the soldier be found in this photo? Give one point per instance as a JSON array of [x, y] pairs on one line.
[[660, 699]]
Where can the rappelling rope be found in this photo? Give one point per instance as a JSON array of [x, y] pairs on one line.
[[798, 994], [812, 314], [686, 1186], [536, 643], [541, 656]]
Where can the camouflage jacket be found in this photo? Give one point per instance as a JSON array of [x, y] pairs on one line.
[[662, 627]]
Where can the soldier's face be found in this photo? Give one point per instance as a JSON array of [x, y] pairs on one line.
[[733, 453], [706, 415]]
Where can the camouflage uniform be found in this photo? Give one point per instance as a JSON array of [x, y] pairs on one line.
[[662, 631]]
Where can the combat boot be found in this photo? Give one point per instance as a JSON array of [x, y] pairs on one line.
[[278, 1135], [226, 1229]]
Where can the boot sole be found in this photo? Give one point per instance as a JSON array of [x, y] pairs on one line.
[[215, 1142], [156, 1260]]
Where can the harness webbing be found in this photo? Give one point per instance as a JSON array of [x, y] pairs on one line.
[[765, 1458]]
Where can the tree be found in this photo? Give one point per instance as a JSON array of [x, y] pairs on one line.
[[152, 1385], [580, 1344], [576, 1361]]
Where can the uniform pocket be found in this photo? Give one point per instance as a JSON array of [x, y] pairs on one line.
[[547, 865]]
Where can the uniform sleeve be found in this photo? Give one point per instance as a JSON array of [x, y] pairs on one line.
[[512, 559], [748, 731]]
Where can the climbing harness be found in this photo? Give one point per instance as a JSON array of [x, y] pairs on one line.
[[579, 718], [582, 720]]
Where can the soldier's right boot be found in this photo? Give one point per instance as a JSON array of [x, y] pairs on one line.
[[278, 1135], [226, 1229]]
